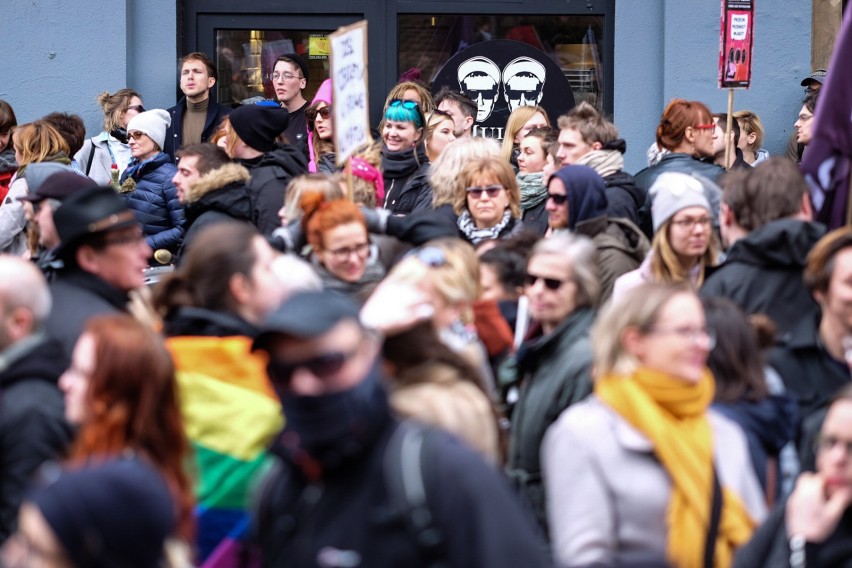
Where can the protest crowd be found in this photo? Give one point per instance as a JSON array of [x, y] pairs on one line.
[[221, 345]]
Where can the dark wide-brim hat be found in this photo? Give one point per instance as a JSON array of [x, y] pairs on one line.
[[89, 212], [306, 315]]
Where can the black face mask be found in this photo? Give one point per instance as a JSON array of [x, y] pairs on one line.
[[120, 134], [332, 428]]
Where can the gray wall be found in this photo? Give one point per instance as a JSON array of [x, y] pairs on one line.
[[670, 49], [58, 55], [663, 49]]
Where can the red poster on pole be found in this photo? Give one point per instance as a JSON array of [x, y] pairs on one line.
[[735, 44]]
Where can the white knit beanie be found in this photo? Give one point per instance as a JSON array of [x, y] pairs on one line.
[[153, 123], [672, 192]]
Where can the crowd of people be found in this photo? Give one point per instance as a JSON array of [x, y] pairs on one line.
[[223, 345]]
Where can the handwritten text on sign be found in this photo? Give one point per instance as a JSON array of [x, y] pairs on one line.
[[349, 81]]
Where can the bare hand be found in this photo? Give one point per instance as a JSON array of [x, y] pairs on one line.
[[810, 512]]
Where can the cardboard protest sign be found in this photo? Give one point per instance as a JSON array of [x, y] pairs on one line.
[[349, 84], [735, 44]]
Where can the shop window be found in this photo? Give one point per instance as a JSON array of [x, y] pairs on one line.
[[245, 61], [427, 42]]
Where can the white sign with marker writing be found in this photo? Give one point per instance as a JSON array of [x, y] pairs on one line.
[[349, 84]]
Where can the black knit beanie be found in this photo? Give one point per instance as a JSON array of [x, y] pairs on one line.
[[259, 125]]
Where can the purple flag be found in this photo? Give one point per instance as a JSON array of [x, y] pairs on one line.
[[826, 164]]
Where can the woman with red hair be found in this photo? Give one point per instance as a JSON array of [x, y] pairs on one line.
[[120, 391], [341, 250]]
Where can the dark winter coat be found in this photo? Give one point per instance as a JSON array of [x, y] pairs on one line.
[[406, 176], [348, 512], [32, 419], [554, 370], [621, 248], [154, 200], [220, 195], [624, 197], [270, 175], [763, 272], [809, 373], [77, 296], [769, 546], [535, 219], [174, 134]]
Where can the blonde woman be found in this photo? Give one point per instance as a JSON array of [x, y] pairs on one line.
[[643, 472], [684, 244], [439, 133], [110, 148], [751, 137], [520, 122]]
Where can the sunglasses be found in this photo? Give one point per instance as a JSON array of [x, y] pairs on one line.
[[312, 113], [322, 366], [136, 134], [557, 198], [711, 126], [409, 105], [549, 283], [137, 108], [492, 191]]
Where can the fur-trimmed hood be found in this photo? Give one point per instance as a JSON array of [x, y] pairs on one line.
[[215, 180]]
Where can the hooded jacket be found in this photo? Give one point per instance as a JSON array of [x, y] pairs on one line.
[[763, 272], [220, 195], [32, 418], [624, 197], [324, 95], [621, 245], [270, 175]]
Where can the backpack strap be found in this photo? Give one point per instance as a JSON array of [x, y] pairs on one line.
[[406, 462], [715, 518], [91, 155]]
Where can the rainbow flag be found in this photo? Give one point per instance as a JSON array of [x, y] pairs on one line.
[[231, 415]]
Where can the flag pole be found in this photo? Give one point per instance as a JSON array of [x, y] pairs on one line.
[[729, 139]]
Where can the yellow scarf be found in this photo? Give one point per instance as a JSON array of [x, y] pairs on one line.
[[672, 414]]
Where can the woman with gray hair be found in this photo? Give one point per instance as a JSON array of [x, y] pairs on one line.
[[643, 472], [554, 364]]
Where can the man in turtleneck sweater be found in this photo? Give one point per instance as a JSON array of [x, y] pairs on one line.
[[194, 119]]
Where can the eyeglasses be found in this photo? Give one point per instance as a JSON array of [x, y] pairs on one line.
[[711, 126], [492, 191], [702, 335], [343, 253], [809, 90], [409, 105], [322, 366], [136, 134], [287, 76], [549, 283], [690, 223], [828, 443], [324, 112], [137, 108], [558, 198], [430, 256], [805, 117]]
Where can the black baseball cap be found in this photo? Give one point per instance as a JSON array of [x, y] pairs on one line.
[[307, 315], [818, 76]]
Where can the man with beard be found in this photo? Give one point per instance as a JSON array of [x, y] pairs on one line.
[[338, 496]]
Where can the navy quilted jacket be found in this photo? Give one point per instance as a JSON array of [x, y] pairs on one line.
[[154, 201]]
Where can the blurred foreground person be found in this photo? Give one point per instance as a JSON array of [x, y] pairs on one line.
[[814, 526], [120, 392], [344, 459], [642, 472], [107, 515], [211, 307], [32, 420]]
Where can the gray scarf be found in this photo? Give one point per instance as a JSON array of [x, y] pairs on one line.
[[474, 235], [533, 191]]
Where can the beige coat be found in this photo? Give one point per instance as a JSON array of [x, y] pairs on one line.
[[607, 495]]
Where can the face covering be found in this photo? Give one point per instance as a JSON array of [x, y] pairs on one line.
[[332, 428]]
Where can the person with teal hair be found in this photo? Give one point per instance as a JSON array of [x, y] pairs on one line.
[[405, 164]]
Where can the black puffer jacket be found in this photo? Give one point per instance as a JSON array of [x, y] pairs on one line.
[[763, 272], [406, 176], [154, 200], [220, 195], [624, 198], [32, 419], [270, 175]]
